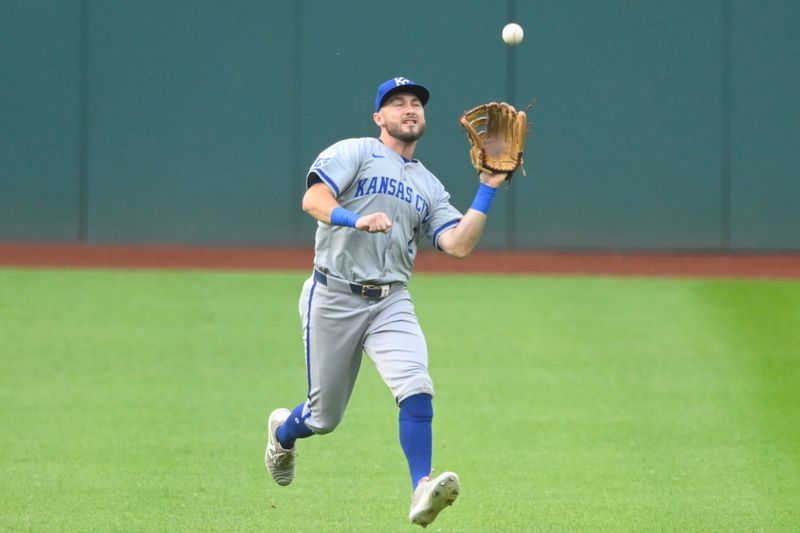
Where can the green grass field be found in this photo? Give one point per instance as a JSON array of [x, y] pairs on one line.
[[137, 401]]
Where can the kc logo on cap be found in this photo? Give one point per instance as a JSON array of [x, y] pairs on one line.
[[397, 85]]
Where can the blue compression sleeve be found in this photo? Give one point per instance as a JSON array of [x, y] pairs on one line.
[[483, 199], [294, 428], [416, 435], [343, 217]]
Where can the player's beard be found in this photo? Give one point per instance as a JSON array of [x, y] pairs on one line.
[[396, 130]]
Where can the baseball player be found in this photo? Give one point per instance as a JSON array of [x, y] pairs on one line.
[[374, 204]]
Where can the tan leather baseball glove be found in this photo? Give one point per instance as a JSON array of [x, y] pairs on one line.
[[496, 133]]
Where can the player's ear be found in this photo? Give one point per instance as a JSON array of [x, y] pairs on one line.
[[378, 118]]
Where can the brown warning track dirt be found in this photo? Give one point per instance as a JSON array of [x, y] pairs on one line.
[[786, 266]]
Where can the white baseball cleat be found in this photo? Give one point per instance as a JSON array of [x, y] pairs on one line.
[[279, 460], [431, 496]]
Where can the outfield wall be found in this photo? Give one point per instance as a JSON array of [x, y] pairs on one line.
[[657, 125]]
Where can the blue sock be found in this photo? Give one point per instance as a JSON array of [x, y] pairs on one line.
[[295, 427], [416, 435]]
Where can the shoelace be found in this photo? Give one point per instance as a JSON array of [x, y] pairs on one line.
[[282, 457]]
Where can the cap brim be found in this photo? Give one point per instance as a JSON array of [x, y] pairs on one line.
[[417, 90]]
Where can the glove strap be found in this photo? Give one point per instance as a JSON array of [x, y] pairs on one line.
[[483, 199], [344, 217]]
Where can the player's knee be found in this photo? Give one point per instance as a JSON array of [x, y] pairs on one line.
[[324, 429], [416, 384], [325, 425]]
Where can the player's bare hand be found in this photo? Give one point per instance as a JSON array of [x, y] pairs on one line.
[[374, 223], [493, 180]]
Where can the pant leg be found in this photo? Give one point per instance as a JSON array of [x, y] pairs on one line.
[[333, 333], [396, 344]]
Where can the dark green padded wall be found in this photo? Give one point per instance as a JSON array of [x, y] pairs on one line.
[[765, 125], [657, 125], [40, 194], [190, 121], [626, 150]]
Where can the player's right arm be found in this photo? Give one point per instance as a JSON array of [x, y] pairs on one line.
[[319, 202]]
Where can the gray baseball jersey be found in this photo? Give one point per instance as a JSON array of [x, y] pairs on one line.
[[340, 322], [367, 177]]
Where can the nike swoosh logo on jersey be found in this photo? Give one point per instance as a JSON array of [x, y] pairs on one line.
[[376, 156]]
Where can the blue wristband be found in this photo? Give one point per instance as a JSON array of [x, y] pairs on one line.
[[483, 199], [342, 217]]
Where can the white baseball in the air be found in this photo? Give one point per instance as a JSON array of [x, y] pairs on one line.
[[513, 34]]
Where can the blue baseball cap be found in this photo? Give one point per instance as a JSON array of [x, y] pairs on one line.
[[397, 85]]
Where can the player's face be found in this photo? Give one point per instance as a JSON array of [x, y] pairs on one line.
[[404, 117]]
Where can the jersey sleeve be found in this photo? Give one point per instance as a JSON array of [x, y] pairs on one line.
[[337, 166], [443, 216]]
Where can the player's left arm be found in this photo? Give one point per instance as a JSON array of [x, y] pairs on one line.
[[462, 238]]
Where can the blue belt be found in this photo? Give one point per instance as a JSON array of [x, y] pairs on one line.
[[370, 292]]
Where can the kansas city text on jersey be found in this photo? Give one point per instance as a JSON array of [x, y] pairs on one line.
[[392, 187]]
